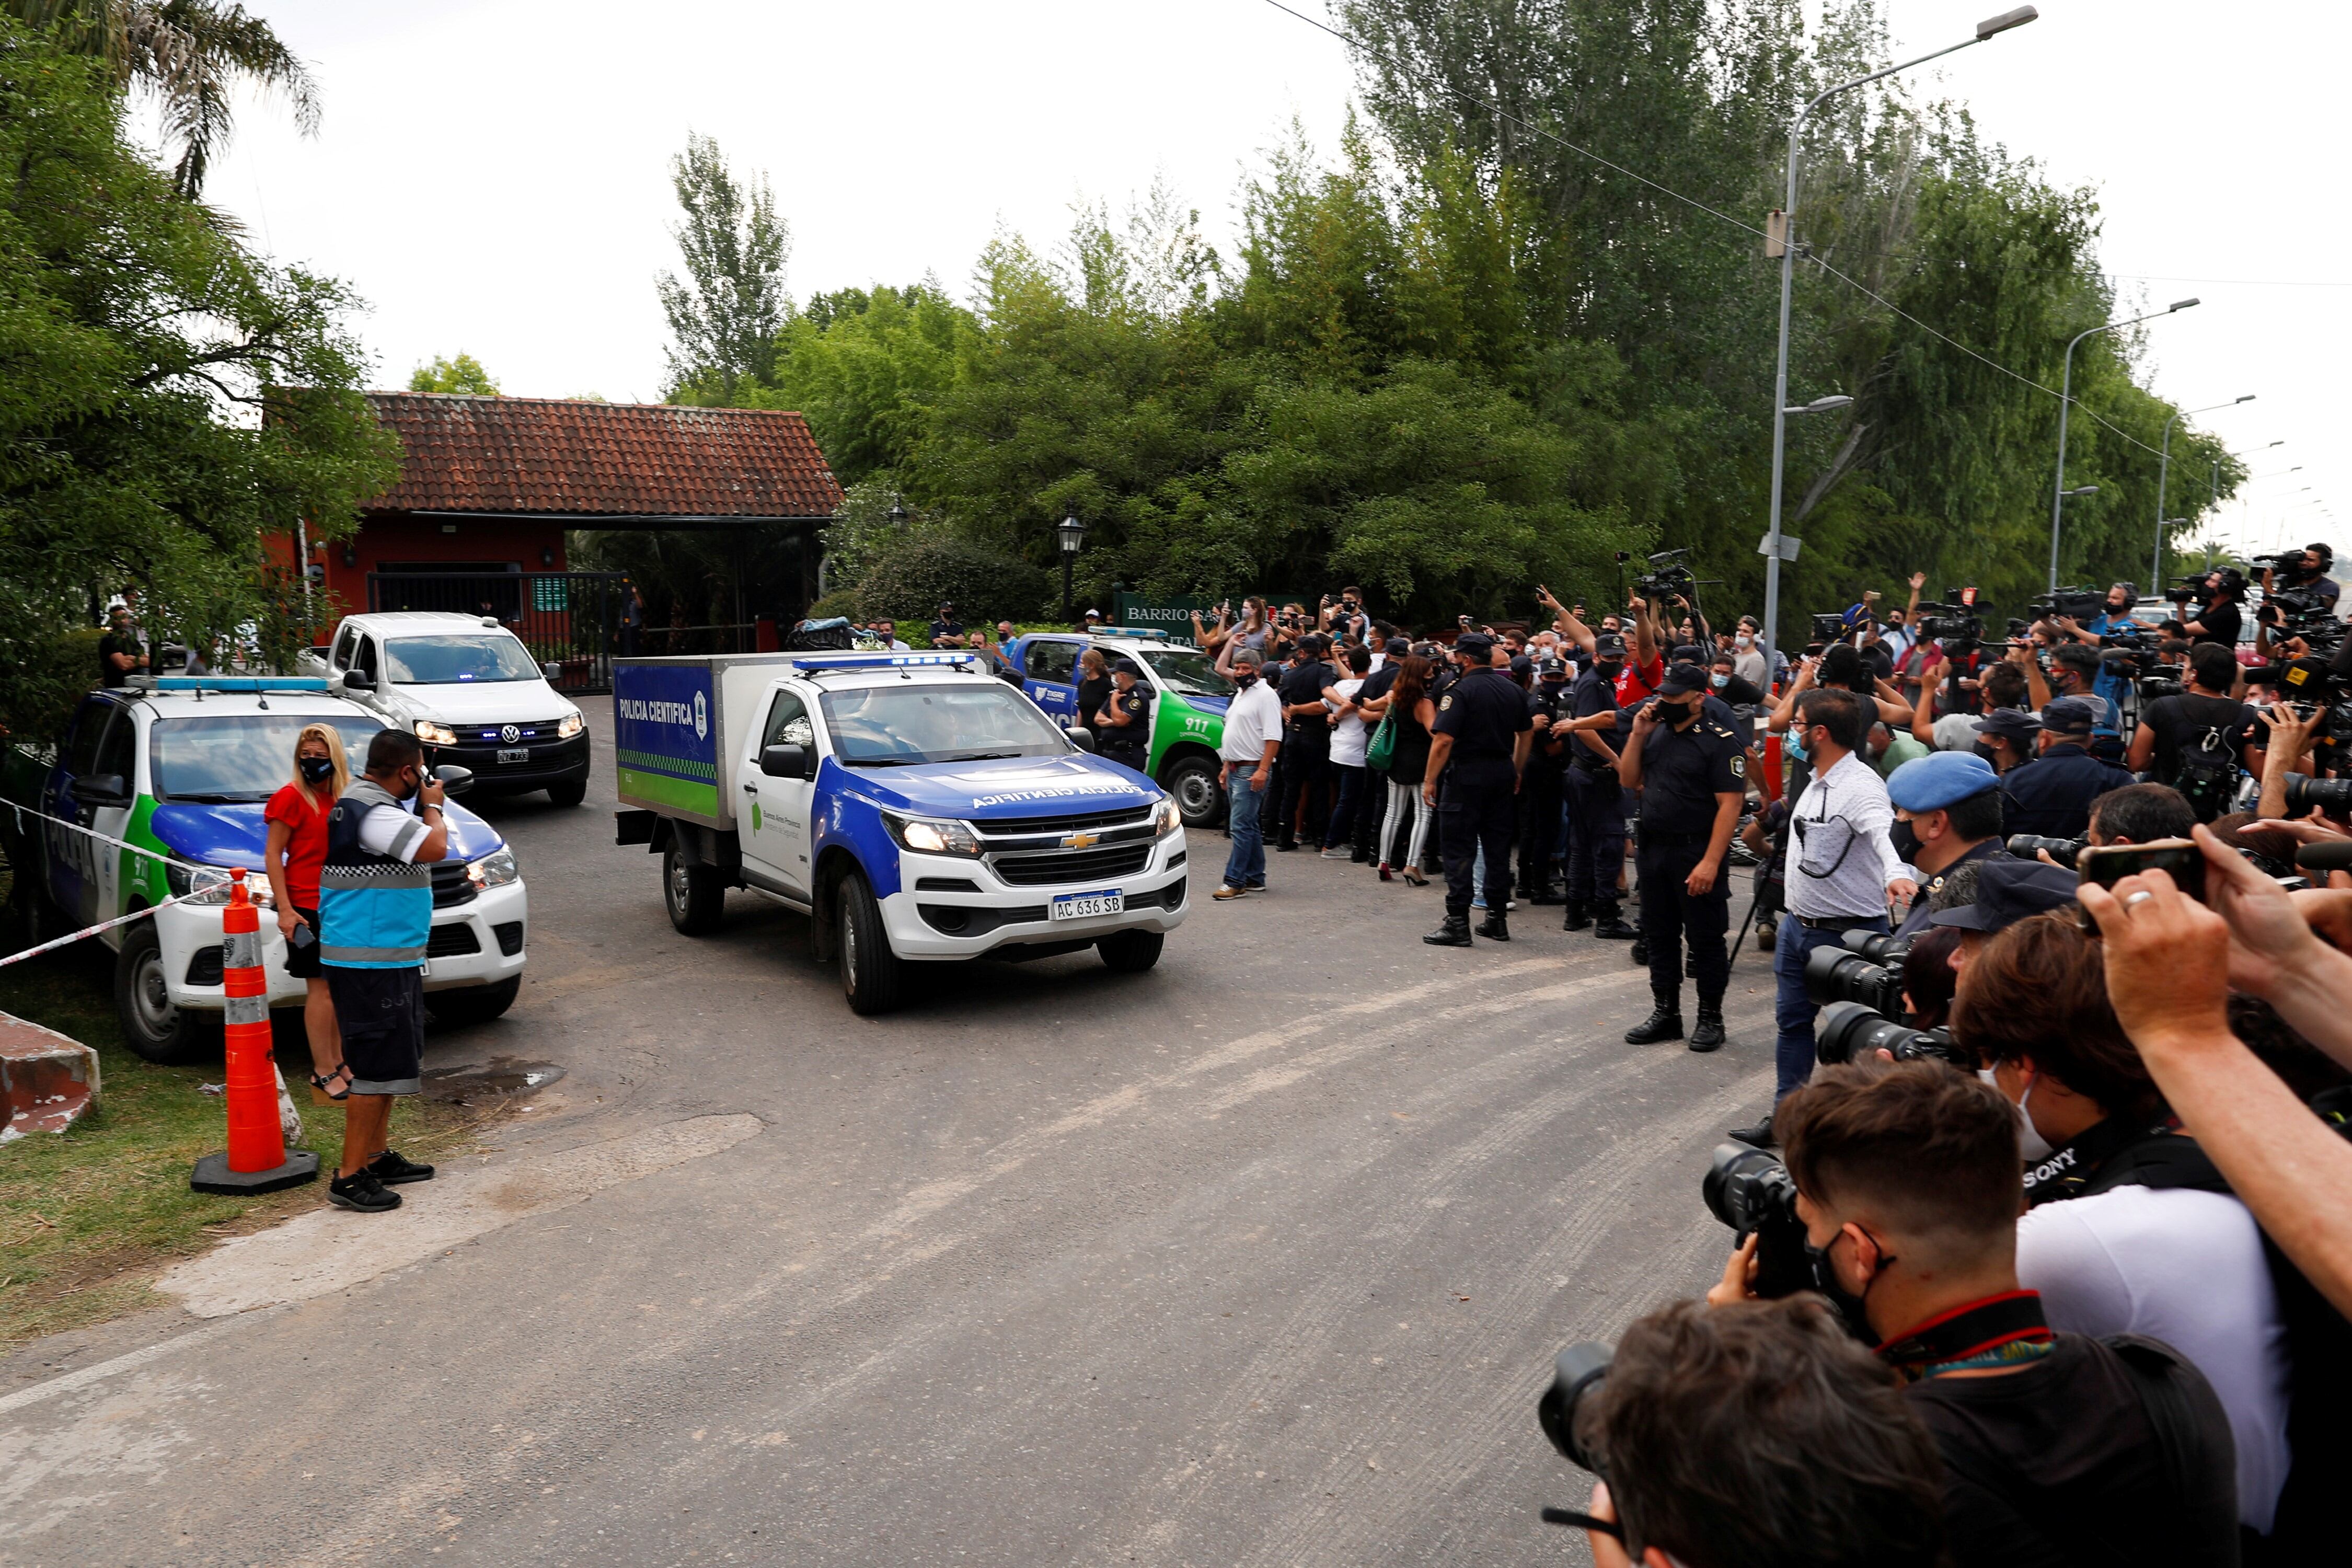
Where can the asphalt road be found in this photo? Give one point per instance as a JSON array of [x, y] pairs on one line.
[[1259, 1259]]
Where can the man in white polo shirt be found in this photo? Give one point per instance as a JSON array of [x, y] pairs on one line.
[[1252, 734]]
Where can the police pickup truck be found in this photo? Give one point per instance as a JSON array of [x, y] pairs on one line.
[[915, 807], [183, 766], [1188, 699]]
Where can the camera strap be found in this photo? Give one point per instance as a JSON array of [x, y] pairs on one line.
[[2070, 1171], [1998, 1331]]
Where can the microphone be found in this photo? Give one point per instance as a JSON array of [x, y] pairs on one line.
[[2334, 855]]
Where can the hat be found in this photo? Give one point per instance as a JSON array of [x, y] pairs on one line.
[[2008, 891], [1939, 779], [1608, 645], [1478, 645], [1522, 665], [2008, 724], [2069, 716], [1552, 667], [1093, 614], [1682, 679], [1688, 653]]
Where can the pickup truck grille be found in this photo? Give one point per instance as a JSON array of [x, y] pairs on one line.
[[452, 940], [1072, 865], [1126, 815], [451, 886]]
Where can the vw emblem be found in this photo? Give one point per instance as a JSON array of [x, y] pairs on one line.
[[510, 734]]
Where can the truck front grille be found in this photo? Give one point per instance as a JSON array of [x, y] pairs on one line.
[[453, 940], [1072, 865]]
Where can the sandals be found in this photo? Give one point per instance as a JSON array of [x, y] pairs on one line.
[[319, 1080]]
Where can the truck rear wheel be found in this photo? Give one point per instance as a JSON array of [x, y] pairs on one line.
[[692, 894], [1199, 791], [1132, 952], [872, 976], [151, 1027]]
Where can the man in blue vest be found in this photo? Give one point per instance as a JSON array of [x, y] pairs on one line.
[[375, 913]]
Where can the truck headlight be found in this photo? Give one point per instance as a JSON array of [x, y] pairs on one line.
[[932, 834], [1165, 818], [209, 886], [495, 870], [434, 734], [571, 724]]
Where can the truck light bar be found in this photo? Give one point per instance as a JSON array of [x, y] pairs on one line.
[[881, 661], [229, 683]]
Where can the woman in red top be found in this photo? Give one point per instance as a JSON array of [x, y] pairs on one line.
[[297, 848]]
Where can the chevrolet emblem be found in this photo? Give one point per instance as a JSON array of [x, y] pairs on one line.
[[1080, 841]]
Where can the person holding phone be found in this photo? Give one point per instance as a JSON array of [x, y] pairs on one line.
[[291, 856]]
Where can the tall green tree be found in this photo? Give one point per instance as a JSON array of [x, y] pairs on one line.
[[725, 314], [462, 374]]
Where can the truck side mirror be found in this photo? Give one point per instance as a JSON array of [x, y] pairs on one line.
[[100, 789], [355, 681], [553, 672], [455, 779], [787, 762], [1083, 738]]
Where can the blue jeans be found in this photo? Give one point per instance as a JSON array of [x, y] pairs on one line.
[[1343, 815], [1793, 1010], [1246, 867]]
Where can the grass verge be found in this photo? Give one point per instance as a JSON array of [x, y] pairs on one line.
[[89, 1217]]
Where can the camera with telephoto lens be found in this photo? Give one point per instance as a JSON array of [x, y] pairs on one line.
[[1668, 575], [2333, 796], [1852, 1032], [2025, 844], [1846, 973], [1751, 1190], [1577, 1371]]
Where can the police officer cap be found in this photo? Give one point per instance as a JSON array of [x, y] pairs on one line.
[[2069, 716], [1681, 680], [1522, 665], [1552, 667], [1939, 779], [2010, 890], [1609, 645], [1478, 644], [2009, 724]]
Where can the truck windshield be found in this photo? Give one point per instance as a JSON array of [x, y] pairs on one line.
[[1188, 672], [459, 655], [894, 726], [238, 757]]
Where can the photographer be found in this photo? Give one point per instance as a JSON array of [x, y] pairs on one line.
[[2218, 618], [2057, 1448], [2000, 686], [1757, 1436], [2128, 1228], [1948, 809], [2052, 796], [2201, 743], [2310, 571]]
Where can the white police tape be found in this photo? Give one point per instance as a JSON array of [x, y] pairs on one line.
[[86, 932], [22, 813]]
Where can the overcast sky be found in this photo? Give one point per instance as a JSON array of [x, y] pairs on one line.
[[492, 174]]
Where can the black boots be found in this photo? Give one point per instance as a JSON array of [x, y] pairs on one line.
[[1610, 923], [1709, 1036], [1494, 927], [1578, 919], [1454, 933], [1664, 1022]]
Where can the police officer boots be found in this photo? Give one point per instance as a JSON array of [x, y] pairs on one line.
[[1709, 1036], [1454, 933], [1576, 918], [1665, 1023], [1612, 926], [1495, 928]]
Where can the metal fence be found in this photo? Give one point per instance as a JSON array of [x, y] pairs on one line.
[[568, 619]]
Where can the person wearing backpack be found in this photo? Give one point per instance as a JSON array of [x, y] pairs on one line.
[[2201, 742]]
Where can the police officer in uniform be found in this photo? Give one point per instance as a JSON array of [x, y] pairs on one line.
[[1123, 733], [1596, 817], [2051, 797], [1476, 750], [1690, 769], [1540, 794]]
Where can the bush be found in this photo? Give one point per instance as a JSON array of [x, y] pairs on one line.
[[909, 584], [41, 680]]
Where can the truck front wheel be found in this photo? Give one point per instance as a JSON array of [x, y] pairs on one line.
[[691, 891], [473, 1004], [151, 1027], [1132, 952], [872, 976]]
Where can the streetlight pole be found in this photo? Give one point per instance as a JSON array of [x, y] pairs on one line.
[[2065, 403], [2163, 467], [1069, 534], [1988, 29]]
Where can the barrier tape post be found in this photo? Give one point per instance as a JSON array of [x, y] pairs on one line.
[[257, 1160]]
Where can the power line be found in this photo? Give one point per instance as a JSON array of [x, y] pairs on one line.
[[2235, 282]]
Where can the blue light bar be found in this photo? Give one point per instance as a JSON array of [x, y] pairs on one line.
[[881, 661], [240, 683]]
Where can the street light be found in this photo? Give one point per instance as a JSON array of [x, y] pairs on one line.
[[2163, 469], [1988, 29], [2081, 490], [2066, 403], [1820, 404], [898, 512], [1071, 533]]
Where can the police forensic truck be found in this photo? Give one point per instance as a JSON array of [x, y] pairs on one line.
[[916, 808]]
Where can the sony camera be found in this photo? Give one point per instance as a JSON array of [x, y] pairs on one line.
[[1668, 575], [1850, 1031], [2025, 844], [1751, 1190], [1866, 969]]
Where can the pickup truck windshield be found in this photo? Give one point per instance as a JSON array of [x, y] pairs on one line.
[[893, 726], [238, 757], [460, 656], [1188, 673]]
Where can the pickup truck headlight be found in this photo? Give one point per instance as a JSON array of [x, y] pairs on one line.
[[932, 834], [434, 734], [210, 886], [1165, 818], [495, 870], [571, 724]]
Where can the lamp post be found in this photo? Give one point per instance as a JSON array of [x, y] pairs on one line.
[[2163, 467], [1071, 533], [2059, 492], [1988, 29]]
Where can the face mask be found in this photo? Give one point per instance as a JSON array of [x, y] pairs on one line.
[[1245, 678], [1853, 1308], [409, 785], [317, 770], [2031, 1146], [1907, 841], [1718, 680], [1745, 641]]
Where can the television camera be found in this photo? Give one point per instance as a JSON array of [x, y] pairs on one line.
[[1669, 574]]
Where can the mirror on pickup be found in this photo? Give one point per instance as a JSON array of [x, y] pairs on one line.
[[1082, 738], [355, 681], [553, 672], [100, 789], [788, 762]]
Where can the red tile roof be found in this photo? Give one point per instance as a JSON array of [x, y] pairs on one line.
[[551, 455]]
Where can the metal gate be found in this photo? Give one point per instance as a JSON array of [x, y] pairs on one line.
[[568, 619]]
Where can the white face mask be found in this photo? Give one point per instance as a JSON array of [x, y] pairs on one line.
[[1746, 641], [2033, 1147]]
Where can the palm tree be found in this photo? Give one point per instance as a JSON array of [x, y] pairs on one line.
[[189, 54]]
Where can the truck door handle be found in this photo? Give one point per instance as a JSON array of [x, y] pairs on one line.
[[750, 789]]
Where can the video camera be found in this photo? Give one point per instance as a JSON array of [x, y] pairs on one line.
[[1827, 629], [1957, 620], [2070, 604], [2188, 590], [1668, 575]]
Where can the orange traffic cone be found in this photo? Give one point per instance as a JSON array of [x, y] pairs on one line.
[[257, 1160]]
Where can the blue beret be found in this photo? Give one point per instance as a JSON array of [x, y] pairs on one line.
[[1939, 779]]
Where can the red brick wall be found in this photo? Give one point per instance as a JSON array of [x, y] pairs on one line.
[[536, 544]]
